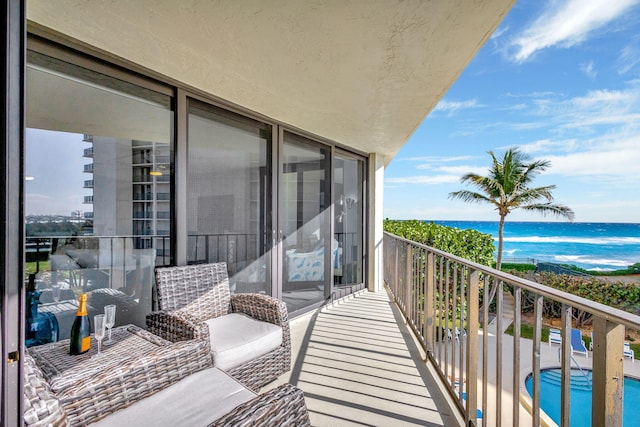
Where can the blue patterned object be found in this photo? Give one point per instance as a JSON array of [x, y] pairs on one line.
[[41, 328]]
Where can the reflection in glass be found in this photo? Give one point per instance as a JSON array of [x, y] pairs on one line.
[[307, 246], [229, 196], [93, 221], [348, 213]]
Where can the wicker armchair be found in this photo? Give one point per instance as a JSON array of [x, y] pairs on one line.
[[189, 297], [283, 406]]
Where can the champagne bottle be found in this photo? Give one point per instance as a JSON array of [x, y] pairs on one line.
[[81, 329]]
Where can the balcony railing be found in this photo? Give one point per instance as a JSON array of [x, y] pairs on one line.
[[440, 296]]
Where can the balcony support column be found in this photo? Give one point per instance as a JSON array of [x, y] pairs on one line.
[[375, 273], [608, 373]]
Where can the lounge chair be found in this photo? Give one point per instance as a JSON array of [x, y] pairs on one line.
[[555, 337], [628, 353], [577, 343]]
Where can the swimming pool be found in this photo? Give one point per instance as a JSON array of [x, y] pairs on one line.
[[581, 397]]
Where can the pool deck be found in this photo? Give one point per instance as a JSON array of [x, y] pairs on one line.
[[548, 359]]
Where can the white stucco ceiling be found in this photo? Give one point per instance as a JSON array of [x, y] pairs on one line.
[[363, 73]]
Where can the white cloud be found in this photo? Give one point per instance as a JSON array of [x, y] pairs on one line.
[[547, 145], [629, 56], [424, 179], [610, 159], [596, 108], [589, 70], [452, 107], [437, 159], [463, 170], [566, 24]]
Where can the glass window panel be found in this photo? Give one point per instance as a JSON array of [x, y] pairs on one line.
[[229, 195], [97, 190], [348, 199], [305, 225]]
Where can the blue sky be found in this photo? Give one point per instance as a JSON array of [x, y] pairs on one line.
[[561, 81]]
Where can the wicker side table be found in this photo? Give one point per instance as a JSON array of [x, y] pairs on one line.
[[137, 365]]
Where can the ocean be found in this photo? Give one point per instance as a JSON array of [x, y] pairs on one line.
[[592, 246]]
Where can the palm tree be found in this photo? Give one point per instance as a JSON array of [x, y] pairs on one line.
[[507, 188]]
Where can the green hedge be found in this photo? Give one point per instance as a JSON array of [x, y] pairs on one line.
[[469, 244], [510, 267], [620, 295]]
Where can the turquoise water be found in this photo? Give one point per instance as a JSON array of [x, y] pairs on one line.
[[581, 398], [593, 246]]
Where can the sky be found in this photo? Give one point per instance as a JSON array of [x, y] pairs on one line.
[[54, 162], [559, 80]]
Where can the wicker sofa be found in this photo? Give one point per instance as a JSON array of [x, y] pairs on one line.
[[208, 397], [248, 333]]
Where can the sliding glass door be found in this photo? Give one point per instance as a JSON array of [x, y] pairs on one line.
[[304, 222], [349, 208], [229, 195]]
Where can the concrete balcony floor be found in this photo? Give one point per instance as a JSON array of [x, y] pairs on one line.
[[359, 366]]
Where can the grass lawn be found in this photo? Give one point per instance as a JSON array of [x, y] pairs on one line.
[[30, 267]]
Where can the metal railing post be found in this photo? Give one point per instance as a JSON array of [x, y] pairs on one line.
[[608, 375], [407, 284], [565, 383], [473, 302], [517, 295], [535, 362], [429, 300]]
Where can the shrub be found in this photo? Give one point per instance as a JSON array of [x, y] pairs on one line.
[[621, 295], [469, 244]]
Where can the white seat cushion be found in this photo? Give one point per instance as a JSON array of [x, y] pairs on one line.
[[196, 400], [237, 338]]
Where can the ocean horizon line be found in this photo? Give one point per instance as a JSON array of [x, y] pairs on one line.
[[522, 221]]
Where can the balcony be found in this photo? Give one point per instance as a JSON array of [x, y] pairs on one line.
[[381, 358], [88, 183], [88, 152], [142, 215], [143, 196], [88, 200], [88, 168]]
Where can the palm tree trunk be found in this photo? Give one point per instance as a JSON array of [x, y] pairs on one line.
[[500, 239], [492, 291]]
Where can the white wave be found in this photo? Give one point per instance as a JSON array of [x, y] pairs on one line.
[[569, 259], [571, 239], [511, 251]]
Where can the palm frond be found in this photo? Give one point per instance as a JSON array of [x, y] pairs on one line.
[[549, 208], [471, 196]]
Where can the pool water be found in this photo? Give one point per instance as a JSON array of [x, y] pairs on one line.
[[581, 397]]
